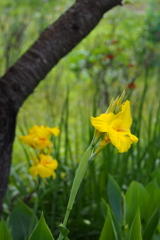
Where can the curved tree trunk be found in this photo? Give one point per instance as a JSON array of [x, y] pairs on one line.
[[21, 79]]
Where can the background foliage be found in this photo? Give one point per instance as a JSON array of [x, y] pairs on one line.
[[122, 52]]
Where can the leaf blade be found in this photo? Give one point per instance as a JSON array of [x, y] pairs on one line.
[[41, 231], [108, 231], [26, 221], [4, 231], [115, 197], [135, 232]]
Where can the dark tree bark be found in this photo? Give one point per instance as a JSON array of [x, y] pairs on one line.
[[21, 79]]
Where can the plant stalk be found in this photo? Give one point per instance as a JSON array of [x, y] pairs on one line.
[[81, 170]]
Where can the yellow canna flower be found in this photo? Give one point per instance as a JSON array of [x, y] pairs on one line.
[[44, 167], [38, 137], [117, 128], [55, 131], [44, 132], [36, 142]]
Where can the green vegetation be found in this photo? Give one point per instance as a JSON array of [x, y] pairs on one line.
[[120, 194]]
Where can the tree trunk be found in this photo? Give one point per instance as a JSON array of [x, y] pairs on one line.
[[21, 79]]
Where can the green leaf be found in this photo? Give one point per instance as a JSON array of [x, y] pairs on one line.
[[4, 231], [156, 237], [64, 231], [136, 197], [108, 231], [22, 221], [115, 222], [153, 199], [117, 226], [41, 232], [156, 176], [135, 232], [151, 225], [115, 197]]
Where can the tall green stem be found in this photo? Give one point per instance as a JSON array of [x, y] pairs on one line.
[[86, 159]]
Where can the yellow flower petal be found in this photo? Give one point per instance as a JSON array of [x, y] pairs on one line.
[[45, 167], [33, 171], [133, 138], [42, 171], [40, 131], [55, 131], [29, 140], [122, 140], [48, 161], [36, 142], [125, 115], [42, 143], [102, 122], [38, 136]]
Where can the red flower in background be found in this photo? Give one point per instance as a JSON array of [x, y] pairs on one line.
[[131, 85], [110, 56], [131, 65], [114, 42]]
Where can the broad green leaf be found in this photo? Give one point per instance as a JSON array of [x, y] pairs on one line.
[[135, 232], [156, 175], [22, 221], [153, 199], [151, 225], [41, 232], [115, 197], [108, 231], [117, 226], [104, 207], [114, 219], [4, 231], [136, 197], [156, 237]]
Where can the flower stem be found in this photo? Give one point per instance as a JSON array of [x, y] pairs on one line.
[[81, 170]]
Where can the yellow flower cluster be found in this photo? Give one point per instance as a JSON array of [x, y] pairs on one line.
[[44, 166], [38, 138], [115, 124]]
